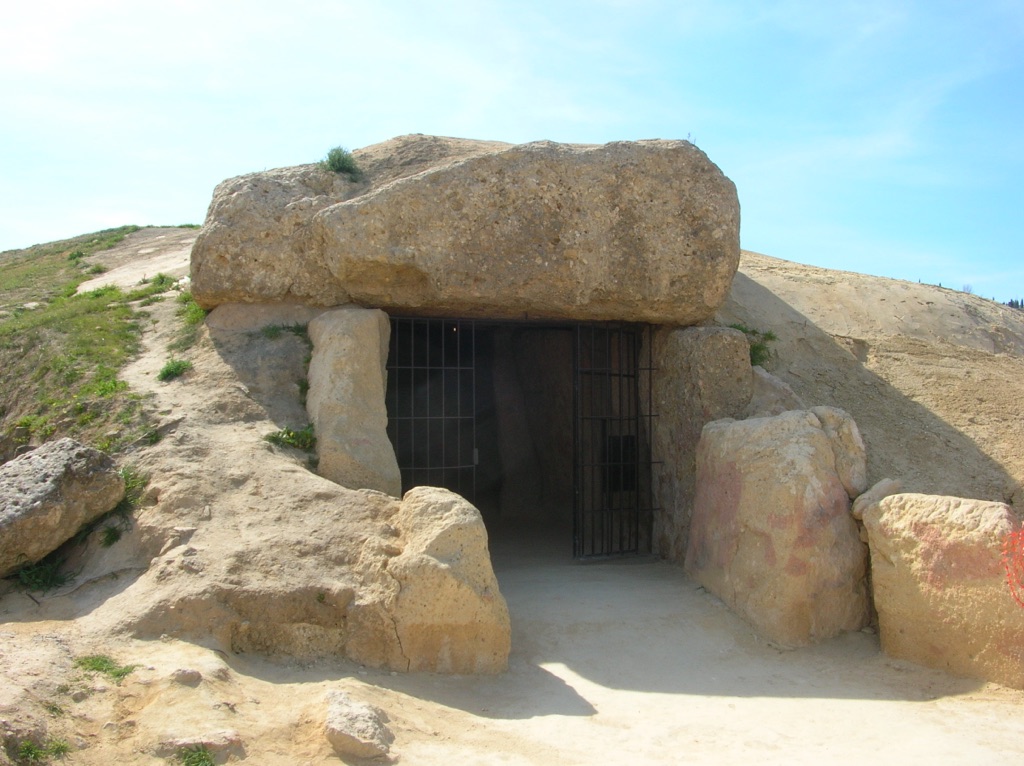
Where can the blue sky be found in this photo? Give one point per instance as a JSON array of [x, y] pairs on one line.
[[880, 137]]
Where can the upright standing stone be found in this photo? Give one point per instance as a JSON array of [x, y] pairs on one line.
[[940, 588], [703, 374], [347, 380], [772, 534]]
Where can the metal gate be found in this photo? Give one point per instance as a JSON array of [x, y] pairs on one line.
[[431, 403], [432, 424], [613, 502]]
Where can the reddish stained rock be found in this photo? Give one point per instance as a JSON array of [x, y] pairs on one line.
[[940, 588], [771, 533]]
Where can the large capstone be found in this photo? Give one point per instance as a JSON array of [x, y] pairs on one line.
[[640, 231]]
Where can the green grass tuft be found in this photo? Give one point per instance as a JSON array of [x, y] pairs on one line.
[[43, 575], [174, 368], [101, 663], [110, 535], [30, 752], [303, 439], [150, 288], [192, 316], [760, 352], [195, 755]]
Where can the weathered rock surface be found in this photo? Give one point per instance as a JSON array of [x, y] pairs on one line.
[[771, 533], [224, 745], [256, 246], [640, 231], [771, 396], [847, 446], [356, 729], [404, 585], [879, 490], [449, 614], [347, 380], [48, 494], [703, 375], [940, 588]]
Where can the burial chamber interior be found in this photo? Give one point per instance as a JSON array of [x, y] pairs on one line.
[[544, 427]]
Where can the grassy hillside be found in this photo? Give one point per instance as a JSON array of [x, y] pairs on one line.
[[60, 352]]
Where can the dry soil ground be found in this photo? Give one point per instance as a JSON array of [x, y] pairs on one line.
[[611, 663]]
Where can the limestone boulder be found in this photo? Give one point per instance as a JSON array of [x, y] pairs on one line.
[[703, 375], [940, 588], [847, 446], [356, 729], [347, 380], [334, 572], [48, 494], [449, 615], [641, 231], [771, 533]]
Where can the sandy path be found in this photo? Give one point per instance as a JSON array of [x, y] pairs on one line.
[[632, 663]]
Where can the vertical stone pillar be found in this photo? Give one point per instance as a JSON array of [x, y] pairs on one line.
[[347, 383], [700, 374]]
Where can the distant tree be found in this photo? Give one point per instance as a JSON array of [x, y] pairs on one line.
[[1014, 303]]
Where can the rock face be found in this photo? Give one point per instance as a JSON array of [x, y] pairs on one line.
[[257, 234], [771, 396], [940, 588], [771, 533], [449, 614], [404, 585], [356, 729], [347, 379], [639, 231], [48, 494], [703, 375]]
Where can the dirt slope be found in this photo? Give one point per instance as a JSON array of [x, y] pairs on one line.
[[933, 377], [612, 663]]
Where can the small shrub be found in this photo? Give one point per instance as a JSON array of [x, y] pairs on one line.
[[58, 747], [150, 288], [303, 439], [174, 368], [101, 663], [43, 575], [760, 353], [30, 752], [190, 312], [110, 535], [196, 755], [340, 160], [135, 483]]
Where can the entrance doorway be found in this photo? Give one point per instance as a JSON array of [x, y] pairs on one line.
[[535, 424]]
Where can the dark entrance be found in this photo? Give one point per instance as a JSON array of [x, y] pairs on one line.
[[535, 424]]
